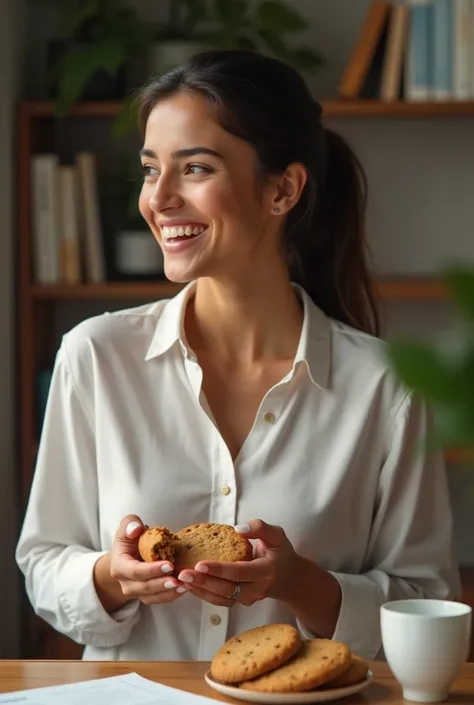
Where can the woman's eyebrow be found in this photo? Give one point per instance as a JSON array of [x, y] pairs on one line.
[[183, 153]]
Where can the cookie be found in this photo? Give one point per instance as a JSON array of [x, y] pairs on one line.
[[357, 671], [211, 542], [318, 661], [255, 652], [157, 544], [198, 542]]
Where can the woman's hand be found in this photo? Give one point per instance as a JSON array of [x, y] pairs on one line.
[[120, 576], [269, 574]]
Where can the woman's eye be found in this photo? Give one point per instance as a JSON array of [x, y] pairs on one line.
[[150, 171], [197, 169]]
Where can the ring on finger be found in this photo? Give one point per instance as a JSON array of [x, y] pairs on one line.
[[236, 593]]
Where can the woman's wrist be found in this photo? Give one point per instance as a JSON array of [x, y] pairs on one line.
[[109, 590], [314, 596]]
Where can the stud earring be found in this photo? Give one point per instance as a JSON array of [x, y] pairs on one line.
[[277, 210]]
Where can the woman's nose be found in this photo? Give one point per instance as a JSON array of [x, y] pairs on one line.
[[164, 196]]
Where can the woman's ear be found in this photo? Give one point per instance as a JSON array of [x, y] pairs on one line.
[[288, 188]]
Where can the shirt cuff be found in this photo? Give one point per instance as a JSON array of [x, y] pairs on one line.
[[91, 624], [358, 624]]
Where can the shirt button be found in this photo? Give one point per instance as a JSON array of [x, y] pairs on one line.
[[269, 417], [215, 620], [225, 489]]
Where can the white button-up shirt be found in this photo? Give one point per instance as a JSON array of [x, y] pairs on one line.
[[333, 457]]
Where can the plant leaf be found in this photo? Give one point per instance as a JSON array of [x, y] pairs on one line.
[[75, 68], [277, 17], [126, 119], [422, 368], [231, 12], [73, 18], [275, 43], [460, 281], [305, 59]]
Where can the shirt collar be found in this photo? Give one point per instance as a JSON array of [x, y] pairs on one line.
[[170, 326], [314, 347]]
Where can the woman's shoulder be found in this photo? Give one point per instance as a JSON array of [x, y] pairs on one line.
[[361, 361], [113, 333]]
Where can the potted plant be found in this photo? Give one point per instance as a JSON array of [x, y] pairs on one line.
[[265, 25], [445, 374], [179, 37], [258, 25], [99, 38]]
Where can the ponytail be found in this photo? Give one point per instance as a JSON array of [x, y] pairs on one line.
[[326, 246]]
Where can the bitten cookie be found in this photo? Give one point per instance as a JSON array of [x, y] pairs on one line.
[[255, 652], [318, 661], [157, 544], [211, 542], [357, 671]]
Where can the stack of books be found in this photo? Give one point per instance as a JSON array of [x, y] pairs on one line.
[[418, 50], [66, 220]]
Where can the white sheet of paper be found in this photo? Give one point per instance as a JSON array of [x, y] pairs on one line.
[[130, 689]]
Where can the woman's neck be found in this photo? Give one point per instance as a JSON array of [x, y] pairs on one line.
[[245, 321]]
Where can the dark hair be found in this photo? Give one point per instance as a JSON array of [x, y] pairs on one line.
[[267, 103]]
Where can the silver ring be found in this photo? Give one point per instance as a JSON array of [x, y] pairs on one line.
[[236, 592]]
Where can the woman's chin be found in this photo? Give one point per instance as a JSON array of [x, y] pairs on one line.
[[179, 275]]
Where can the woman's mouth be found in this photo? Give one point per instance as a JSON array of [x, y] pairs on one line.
[[178, 237]]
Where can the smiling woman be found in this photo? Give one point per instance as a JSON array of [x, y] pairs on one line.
[[259, 397]]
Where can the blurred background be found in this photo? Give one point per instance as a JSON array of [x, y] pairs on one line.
[[396, 79]]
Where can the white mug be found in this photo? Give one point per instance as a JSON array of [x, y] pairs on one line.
[[425, 643]]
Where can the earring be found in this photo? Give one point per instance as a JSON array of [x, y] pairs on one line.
[[277, 210]]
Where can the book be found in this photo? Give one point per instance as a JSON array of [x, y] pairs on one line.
[[392, 74], [360, 61], [90, 207], [418, 66], [442, 49], [69, 224], [461, 38], [45, 218]]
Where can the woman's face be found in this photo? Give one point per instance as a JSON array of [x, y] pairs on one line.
[[201, 195]]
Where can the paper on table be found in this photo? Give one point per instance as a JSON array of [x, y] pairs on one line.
[[130, 689]]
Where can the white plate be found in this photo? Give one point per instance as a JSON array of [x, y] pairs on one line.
[[312, 696]]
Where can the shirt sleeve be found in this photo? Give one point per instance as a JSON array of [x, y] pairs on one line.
[[411, 549], [59, 542]]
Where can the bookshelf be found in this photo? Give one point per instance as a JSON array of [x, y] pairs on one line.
[[37, 303]]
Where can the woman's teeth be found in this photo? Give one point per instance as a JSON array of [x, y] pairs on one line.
[[181, 231]]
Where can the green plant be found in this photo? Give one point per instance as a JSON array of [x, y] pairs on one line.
[[445, 375], [266, 25], [104, 35], [258, 25]]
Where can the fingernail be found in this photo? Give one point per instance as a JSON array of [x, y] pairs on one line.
[[186, 578], [202, 569], [169, 585], [243, 528], [131, 526], [181, 589], [166, 568]]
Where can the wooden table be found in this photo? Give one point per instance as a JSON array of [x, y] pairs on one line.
[[18, 675]]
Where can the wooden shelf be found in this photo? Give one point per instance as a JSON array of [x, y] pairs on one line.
[[376, 108], [331, 108], [410, 288], [107, 290], [390, 288]]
